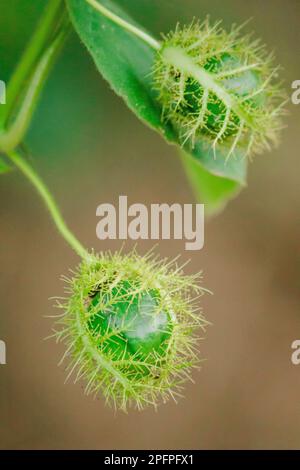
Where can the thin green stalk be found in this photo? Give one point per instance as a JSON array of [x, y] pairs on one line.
[[13, 136], [49, 20], [50, 203], [124, 24]]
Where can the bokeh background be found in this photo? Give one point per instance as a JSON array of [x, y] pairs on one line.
[[90, 149]]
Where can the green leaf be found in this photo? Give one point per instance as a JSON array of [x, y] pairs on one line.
[[4, 167], [213, 191], [126, 62]]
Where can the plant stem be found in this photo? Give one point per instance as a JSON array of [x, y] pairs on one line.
[[13, 136], [50, 203], [49, 20], [124, 24]]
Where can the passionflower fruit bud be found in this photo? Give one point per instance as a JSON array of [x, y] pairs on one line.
[[129, 326], [219, 87]]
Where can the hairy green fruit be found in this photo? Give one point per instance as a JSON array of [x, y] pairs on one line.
[[219, 86], [129, 325], [134, 321]]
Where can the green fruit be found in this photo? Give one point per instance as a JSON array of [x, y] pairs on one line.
[[129, 327], [133, 325], [240, 86], [219, 87]]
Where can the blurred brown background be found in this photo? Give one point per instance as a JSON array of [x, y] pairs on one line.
[[90, 148]]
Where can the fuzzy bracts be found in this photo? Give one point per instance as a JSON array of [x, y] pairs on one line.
[[129, 326], [219, 87]]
